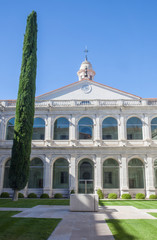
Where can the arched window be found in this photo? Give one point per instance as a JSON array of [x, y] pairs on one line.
[[154, 128], [61, 174], [86, 176], [36, 174], [10, 129], [38, 129], [6, 174], [136, 173], [110, 174], [61, 129], [109, 129], [134, 129], [85, 127], [155, 173]]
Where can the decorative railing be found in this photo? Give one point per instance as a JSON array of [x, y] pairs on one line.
[[83, 103]]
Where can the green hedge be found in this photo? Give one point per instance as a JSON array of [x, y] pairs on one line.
[[153, 196], [72, 191], [44, 195], [58, 195], [32, 195], [126, 196], [20, 195], [112, 196], [140, 196], [100, 194], [4, 195]]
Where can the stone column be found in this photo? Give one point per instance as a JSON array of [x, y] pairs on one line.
[[98, 173], [2, 127], [48, 128], [149, 176], [97, 130], [72, 174], [124, 188], [146, 127], [1, 176], [121, 128], [73, 130], [48, 176]]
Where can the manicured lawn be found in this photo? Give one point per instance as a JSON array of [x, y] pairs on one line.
[[28, 203], [133, 229], [25, 228], [142, 204], [153, 214]]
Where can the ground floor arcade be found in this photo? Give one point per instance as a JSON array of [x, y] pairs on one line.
[[62, 172]]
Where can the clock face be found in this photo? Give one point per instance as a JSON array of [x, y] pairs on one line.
[[86, 88]]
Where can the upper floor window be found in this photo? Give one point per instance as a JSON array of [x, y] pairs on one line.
[[134, 128], [61, 129], [10, 129], [109, 129], [154, 128], [85, 128], [38, 129]]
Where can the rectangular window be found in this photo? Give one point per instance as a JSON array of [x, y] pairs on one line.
[[64, 177], [129, 136], [63, 137], [107, 137], [108, 177]]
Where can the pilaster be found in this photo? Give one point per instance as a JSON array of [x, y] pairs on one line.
[[47, 186], [98, 173], [72, 174], [149, 176], [124, 188]]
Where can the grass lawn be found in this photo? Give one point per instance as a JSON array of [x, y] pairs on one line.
[[153, 214], [25, 228], [133, 229], [28, 203], [142, 204]]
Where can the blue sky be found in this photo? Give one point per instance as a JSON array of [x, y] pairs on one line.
[[121, 36]]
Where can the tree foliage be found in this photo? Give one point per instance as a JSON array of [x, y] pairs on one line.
[[19, 169]]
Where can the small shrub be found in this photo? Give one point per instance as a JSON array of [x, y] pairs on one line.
[[32, 195], [100, 194], [140, 196], [126, 196], [20, 195], [4, 195], [72, 191], [58, 195], [153, 196], [44, 195], [112, 196]]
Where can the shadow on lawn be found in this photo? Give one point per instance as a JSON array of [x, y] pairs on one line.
[[116, 225], [121, 233]]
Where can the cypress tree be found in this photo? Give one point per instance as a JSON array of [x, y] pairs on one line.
[[24, 117]]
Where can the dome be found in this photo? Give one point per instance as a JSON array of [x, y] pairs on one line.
[[85, 65]]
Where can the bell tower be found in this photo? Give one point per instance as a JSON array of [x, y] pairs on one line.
[[86, 72]]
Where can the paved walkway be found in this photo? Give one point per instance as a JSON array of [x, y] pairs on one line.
[[83, 225]]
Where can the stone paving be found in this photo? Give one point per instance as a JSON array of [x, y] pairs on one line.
[[83, 225]]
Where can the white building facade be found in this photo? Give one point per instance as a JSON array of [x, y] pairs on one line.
[[86, 136]]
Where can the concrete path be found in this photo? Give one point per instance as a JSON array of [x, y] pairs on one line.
[[13, 209], [83, 225]]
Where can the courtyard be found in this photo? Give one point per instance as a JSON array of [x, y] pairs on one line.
[[51, 219]]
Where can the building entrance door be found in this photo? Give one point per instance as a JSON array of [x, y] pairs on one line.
[[86, 176]]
